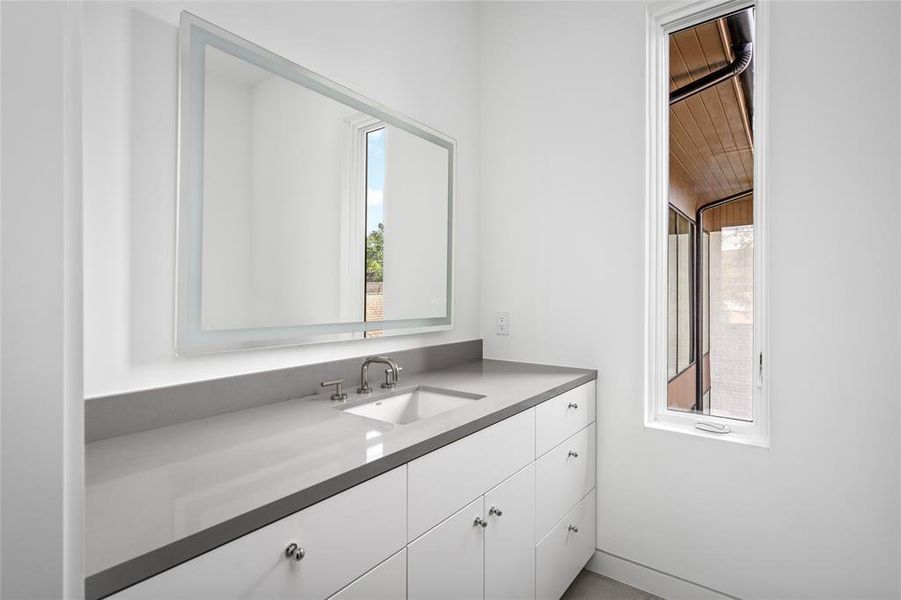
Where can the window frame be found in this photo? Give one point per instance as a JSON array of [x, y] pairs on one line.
[[353, 217], [662, 21]]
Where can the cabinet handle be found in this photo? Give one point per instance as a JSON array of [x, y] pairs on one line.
[[480, 522], [294, 551], [572, 405], [574, 529], [495, 511], [573, 453]]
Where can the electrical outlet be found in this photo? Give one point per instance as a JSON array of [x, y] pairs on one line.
[[502, 323]]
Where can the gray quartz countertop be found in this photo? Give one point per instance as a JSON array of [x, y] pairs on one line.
[[159, 497]]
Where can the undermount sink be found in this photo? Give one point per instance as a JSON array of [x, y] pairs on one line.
[[410, 405]]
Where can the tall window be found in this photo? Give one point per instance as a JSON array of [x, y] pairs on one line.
[[703, 208]]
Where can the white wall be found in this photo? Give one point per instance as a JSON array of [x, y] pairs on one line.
[[563, 93], [419, 58], [41, 413]]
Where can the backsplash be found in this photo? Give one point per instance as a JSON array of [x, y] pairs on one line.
[[121, 414]]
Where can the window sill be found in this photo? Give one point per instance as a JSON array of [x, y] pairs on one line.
[[686, 426]]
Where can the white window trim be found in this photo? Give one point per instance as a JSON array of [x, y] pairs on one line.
[[662, 20]]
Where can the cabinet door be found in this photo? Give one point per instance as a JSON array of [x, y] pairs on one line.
[[510, 538], [388, 581], [448, 561]]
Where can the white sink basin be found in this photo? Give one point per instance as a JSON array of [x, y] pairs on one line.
[[408, 406]]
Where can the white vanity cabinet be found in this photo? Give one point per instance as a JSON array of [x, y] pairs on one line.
[[507, 513], [536, 474]]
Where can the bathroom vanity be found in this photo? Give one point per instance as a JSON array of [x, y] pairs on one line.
[[492, 498]]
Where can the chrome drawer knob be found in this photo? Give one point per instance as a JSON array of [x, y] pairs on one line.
[[495, 511], [572, 405], [480, 522], [574, 529], [294, 551], [573, 454]]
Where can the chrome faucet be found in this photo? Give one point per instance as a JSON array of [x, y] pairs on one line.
[[364, 372]]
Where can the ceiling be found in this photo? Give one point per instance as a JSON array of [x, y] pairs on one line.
[[710, 135]]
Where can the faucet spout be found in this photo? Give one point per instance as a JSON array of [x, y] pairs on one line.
[[364, 371]]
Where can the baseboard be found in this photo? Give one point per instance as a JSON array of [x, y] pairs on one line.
[[651, 580]]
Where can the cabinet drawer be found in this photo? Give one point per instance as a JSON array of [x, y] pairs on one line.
[[343, 537], [388, 581], [563, 477], [443, 481], [563, 552], [560, 417]]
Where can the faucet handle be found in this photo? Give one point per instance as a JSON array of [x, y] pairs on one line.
[[390, 381], [339, 393]]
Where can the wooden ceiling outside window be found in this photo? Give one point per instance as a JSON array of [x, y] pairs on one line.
[[710, 138]]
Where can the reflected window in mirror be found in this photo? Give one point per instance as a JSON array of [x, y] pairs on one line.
[[375, 227]]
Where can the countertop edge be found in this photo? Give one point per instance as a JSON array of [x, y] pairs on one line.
[[133, 571]]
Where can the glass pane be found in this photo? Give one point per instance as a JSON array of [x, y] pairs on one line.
[[375, 227], [729, 319], [710, 279], [683, 291], [672, 315], [705, 289]]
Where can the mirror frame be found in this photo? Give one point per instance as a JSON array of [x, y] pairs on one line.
[[190, 338]]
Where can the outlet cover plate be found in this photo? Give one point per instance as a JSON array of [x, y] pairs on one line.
[[502, 323]]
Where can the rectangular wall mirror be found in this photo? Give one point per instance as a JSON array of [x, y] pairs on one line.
[[307, 212]]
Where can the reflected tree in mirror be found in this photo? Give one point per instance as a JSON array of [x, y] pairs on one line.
[[375, 252]]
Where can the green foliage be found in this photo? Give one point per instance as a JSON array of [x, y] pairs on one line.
[[375, 254]]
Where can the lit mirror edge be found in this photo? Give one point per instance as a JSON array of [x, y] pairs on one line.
[[190, 338]]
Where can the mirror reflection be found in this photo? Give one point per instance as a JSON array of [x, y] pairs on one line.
[[316, 207]]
